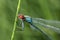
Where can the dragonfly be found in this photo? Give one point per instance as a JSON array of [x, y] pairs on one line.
[[50, 24]]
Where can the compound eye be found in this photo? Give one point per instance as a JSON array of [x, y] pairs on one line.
[[21, 16]]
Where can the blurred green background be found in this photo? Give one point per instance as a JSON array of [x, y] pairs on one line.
[[47, 9]]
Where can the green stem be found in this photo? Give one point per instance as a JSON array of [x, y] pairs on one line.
[[12, 36]]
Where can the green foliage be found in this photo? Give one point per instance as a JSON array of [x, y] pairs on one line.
[[47, 9]]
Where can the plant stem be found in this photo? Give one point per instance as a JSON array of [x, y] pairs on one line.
[[18, 7]]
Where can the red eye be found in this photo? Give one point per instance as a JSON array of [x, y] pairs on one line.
[[21, 16]]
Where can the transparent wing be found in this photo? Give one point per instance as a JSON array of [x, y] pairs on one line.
[[43, 33], [22, 24], [52, 25]]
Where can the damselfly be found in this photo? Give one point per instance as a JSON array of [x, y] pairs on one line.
[[53, 25], [49, 24]]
